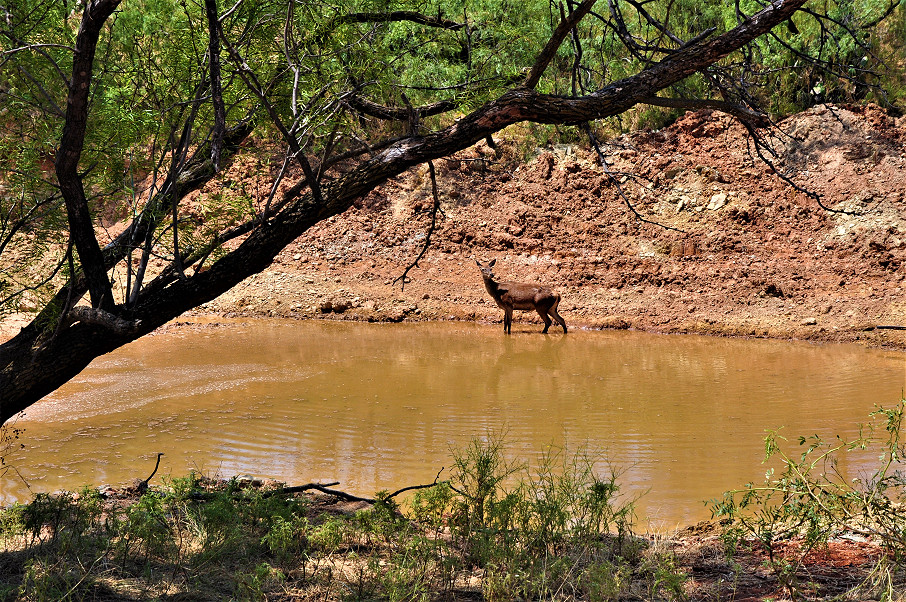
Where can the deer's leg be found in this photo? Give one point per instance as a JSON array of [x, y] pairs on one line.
[[557, 317], [508, 320], [547, 321]]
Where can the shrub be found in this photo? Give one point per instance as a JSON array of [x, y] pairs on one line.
[[811, 500]]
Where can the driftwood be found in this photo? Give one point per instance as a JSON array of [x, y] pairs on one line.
[[323, 488], [142, 487]]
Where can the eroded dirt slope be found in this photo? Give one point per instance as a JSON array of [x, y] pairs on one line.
[[735, 249]]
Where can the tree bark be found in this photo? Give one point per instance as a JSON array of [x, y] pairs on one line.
[[81, 227], [31, 367]]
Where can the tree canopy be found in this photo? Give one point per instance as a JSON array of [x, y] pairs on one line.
[[119, 109]]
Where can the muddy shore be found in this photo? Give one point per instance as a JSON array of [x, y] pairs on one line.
[[715, 242]]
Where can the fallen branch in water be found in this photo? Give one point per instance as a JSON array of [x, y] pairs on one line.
[[142, 487], [324, 488]]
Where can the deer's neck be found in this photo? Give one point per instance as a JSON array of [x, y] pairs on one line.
[[492, 287]]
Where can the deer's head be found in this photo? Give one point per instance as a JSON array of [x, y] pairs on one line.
[[486, 272]]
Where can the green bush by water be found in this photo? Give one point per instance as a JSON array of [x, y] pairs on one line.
[[495, 527], [809, 500]]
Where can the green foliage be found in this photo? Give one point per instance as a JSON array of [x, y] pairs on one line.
[[68, 522], [535, 532], [256, 584], [43, 581], [558, 529], [12, 522], [480, 473], [287, 538], [809, 499], [330, 534], [664, 579], [182, 489], [605, 580], [145, 530], [68, 535], [530, 529]]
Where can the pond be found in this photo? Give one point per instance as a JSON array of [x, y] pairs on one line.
[[380, 406]]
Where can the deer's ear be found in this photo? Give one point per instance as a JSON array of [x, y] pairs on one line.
[[478, 263], [493, 261]]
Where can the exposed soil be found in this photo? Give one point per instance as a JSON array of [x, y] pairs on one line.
[[845, 569], [736, 250]]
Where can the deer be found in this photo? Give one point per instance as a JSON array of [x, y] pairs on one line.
[[524, 297]]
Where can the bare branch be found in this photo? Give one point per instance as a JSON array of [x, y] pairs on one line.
[[324, 488], [251, 81], [48, 97], [37, 46], [373, 109], [743, 113], [400, 15], [299, 488], [594, 142], [761, 145], [550, 49], [435, 208]]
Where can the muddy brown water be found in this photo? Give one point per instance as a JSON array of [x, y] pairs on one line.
[[380, 406]]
